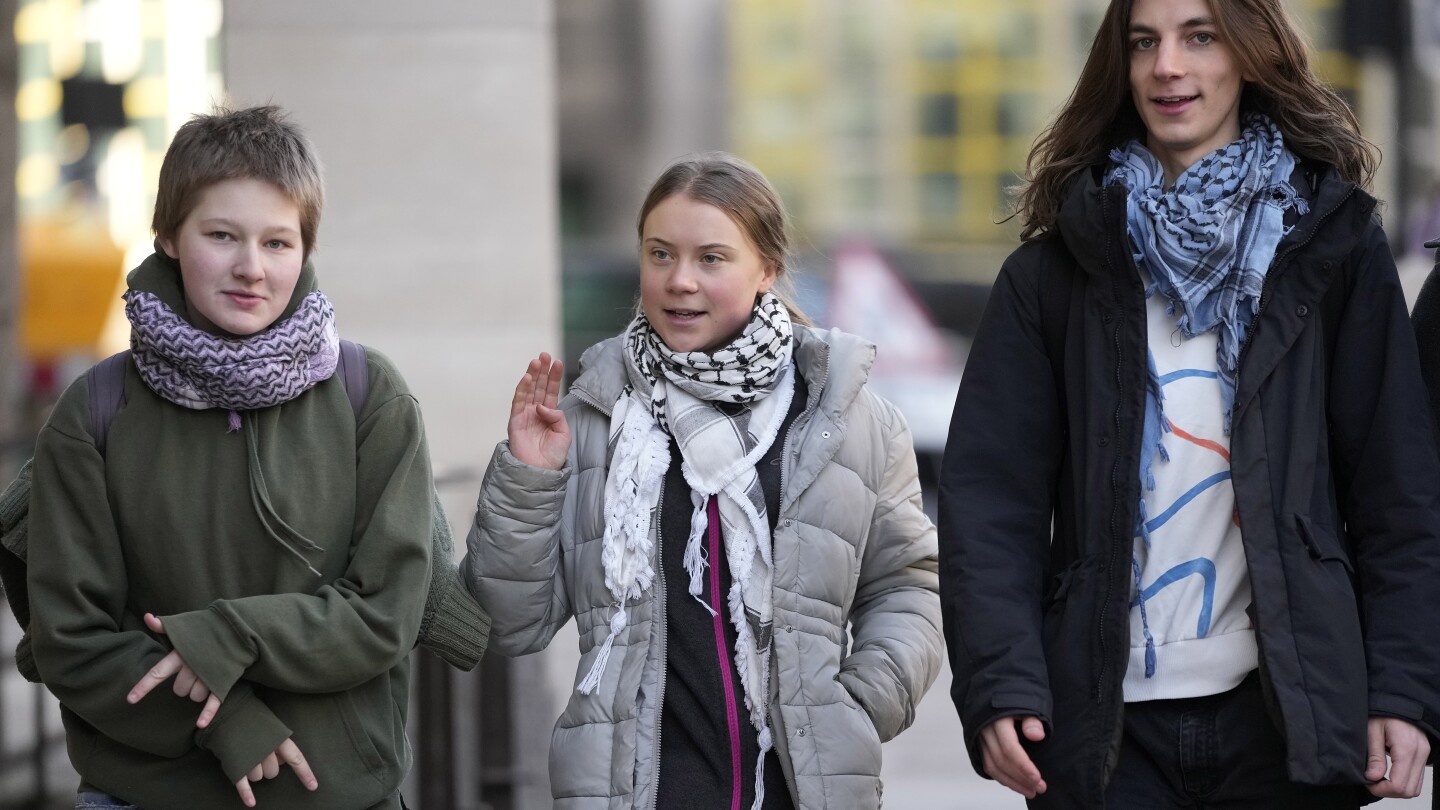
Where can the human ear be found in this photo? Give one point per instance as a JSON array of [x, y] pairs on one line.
[[167, 244], [772, 272]]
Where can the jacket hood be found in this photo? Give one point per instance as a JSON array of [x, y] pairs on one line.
[[834, 364], [160, 276]]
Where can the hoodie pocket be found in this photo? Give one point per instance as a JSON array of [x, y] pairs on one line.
[[355, 729]]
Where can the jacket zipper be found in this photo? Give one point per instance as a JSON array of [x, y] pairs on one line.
[[776, 726], [732, 714], [814, 399], [585, 397], [1111, 562], [660, 600]]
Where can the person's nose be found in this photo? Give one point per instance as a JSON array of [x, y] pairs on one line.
[[248, 265], [683, 279], [1169, 60]]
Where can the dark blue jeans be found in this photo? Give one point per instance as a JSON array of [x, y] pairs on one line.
[[99, 801], [1218, 751]]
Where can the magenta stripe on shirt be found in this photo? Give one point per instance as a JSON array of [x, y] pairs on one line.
[[717, 609]]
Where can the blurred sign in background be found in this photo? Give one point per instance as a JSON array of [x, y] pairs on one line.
[[893, 129]]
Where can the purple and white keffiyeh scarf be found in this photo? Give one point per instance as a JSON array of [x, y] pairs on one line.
[[195, 369]]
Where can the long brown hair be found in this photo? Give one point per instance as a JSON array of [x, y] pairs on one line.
[[742, 192], [1100, 115]]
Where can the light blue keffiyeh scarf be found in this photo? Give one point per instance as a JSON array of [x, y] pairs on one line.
[[1207, 242]]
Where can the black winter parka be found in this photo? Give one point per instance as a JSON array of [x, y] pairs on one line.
[[1334, 466]]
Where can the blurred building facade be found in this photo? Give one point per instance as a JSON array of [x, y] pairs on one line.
[[477, 150]]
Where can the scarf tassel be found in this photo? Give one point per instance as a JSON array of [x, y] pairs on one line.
[[234, 421], [697, 554], [597, 670], [1150, 657], [766, 741]]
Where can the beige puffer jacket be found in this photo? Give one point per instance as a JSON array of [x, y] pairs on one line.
[[852, 547]]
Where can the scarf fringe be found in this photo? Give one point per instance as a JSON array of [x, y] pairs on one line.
[[766, 742], [697, 553], [597, 670]]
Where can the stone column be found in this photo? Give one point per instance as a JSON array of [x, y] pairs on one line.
[[10, 382], [436, 125]]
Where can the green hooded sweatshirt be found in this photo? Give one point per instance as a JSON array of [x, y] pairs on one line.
[[178, 519]]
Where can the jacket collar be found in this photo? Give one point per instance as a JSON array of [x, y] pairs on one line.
[[1090, 219]]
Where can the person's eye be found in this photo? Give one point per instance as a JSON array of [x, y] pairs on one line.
[[221, 236], [1204, 38], [712, 258], [1142, 44], [659, 255], [277, 244]]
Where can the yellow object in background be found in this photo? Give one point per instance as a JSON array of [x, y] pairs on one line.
[[72, 275]]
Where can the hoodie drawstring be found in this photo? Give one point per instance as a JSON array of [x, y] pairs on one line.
[[275, 526]]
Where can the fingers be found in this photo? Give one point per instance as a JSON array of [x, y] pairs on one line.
[[212, 705], [1407, 749], [552, 383], [1005, 759], [270, 766], [256, 773], [246, 794], [289, 752], [199, 692], [1033, 729], [553, 418], [153, 622], [525, 389], [1414, 765], [185, 681], [163, 669], [1375, 756]]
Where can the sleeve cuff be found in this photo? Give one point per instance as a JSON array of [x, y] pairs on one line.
[[209, 646], [243, 733], [457, 630]]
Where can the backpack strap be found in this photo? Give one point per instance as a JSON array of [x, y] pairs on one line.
[[106, 381], [354, 373]]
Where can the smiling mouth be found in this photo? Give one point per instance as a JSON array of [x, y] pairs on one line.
[[684, 313], [1171, 101]]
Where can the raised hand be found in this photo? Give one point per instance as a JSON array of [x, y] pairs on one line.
[[187, 683], [287, 754], [1005, 759], [538, 432]]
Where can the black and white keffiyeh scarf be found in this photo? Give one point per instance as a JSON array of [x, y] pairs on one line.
[[195, 369], [724, 410]]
